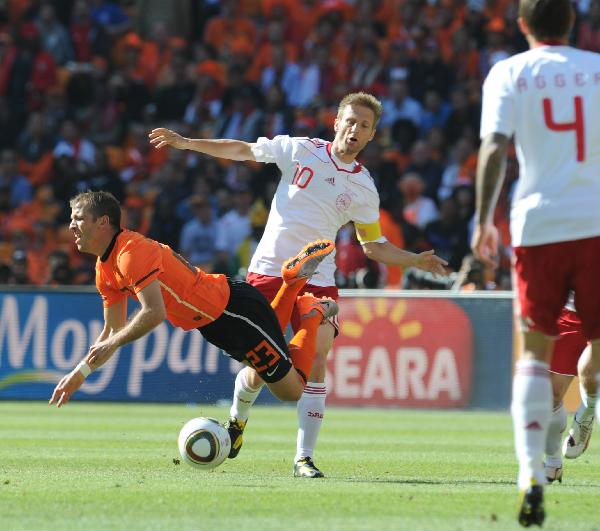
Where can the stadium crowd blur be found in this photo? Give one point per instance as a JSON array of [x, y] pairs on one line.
[[82, 82]]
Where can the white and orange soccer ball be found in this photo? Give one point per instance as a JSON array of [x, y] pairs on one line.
[[204, 443]]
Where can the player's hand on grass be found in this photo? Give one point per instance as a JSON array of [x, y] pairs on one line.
[[66, 387], [428, 261], [162, 137], [485, 243]]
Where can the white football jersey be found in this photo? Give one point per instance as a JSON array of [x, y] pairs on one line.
[[549, 98], [317, 194]]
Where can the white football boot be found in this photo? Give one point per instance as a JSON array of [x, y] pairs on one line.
[[553, 473], [579, 435]]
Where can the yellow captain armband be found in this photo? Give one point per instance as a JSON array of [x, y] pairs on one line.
[[369, 232]]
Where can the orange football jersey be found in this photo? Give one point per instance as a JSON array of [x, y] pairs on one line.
[[192, 297]]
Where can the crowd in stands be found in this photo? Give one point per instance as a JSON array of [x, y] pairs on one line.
[[82, 82]]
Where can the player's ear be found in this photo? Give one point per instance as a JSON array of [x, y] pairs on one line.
[[523, 26], [372, 134], [336, 124]]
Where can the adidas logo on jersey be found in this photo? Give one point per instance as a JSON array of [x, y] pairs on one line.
[[330, 180]]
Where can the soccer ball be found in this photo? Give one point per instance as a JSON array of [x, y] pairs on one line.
[[204, 443]]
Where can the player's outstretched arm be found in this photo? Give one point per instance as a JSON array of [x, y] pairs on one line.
[[387, 253], [222, 148], [150, 316]]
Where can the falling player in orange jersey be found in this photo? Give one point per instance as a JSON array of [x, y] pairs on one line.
[[232, 315]]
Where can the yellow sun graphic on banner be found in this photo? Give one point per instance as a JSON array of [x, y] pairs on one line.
[[394, 310]]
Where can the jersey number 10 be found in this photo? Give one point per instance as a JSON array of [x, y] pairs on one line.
[[302, 176], [577, 125]]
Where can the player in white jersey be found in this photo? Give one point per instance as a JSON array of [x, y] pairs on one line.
[[322, 188], [549, 99]]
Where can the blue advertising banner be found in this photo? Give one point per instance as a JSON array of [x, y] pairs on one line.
[[44, 334]]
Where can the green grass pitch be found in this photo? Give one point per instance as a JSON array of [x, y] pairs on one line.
[[111, 466]]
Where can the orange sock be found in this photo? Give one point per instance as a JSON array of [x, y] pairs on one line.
[[284, 301], [303, 345]]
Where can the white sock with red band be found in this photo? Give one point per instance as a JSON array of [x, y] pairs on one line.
[[311, 408], [531, 410], [243, 397]]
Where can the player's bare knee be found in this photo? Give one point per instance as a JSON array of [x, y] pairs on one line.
[[288, 394], [253, 380]]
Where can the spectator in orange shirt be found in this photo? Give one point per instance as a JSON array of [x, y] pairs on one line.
[[464, 56], [205, 105], [456, 171], [34, 146], [448, 21], [419, 210], [302, 16], [275, 38], [140, 160], [229, 26], [156, 53], [392, 230]]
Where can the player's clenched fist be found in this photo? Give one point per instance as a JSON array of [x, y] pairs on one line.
[[162, 137]]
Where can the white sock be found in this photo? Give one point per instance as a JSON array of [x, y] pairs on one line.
[[243, 397], [311, 409], [556, 428], [531, 410], [588, 405]]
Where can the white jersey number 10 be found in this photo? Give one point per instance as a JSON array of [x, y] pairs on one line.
[[302, 176]]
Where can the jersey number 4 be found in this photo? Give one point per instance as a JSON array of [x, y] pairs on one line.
[[302, 176], [578, 125]]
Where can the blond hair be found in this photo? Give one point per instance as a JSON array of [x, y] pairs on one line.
[[364, 100]]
